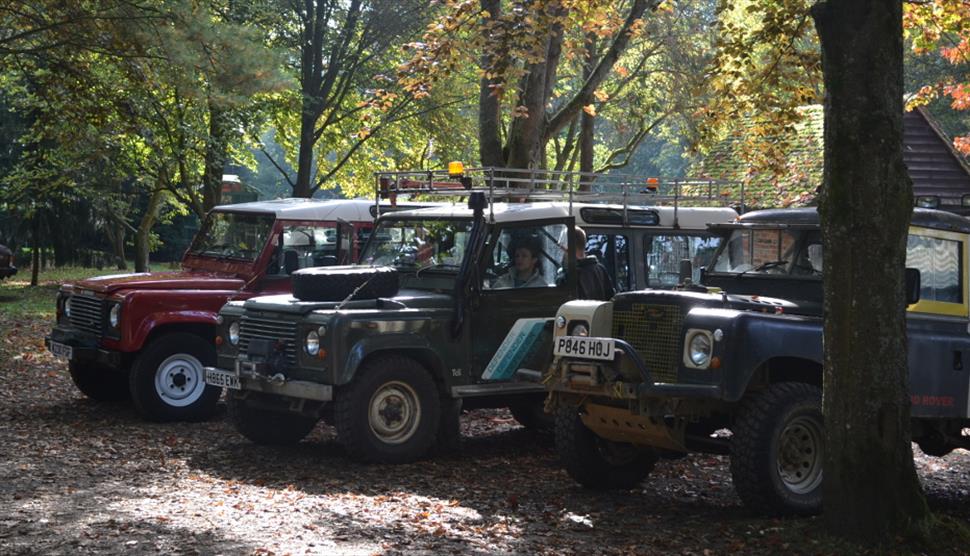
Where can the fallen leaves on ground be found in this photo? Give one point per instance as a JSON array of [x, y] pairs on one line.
[[82, 477]]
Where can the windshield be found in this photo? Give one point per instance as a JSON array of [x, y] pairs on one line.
[[233, 235], [418, 244], [778, 251]]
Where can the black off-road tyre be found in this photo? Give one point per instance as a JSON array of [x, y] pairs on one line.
[[777, 450], [99, 384], [335, 283], [268, 427], [390, 411], [595, 462], [530, 412], [167, 381]]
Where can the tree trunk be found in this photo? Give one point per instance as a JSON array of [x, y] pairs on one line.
[[116, 235], [143, 233], [35, 252], [304, 162], [217, 145], [489, 118], [871, 491]]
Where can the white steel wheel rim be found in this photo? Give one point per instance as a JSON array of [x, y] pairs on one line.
[[179, 380], [800, 455], [394, 412]]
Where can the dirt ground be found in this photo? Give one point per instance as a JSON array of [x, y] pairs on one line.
[[80, 477]]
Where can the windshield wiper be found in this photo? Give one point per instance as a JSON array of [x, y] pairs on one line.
[[764, 266], [436, 266]]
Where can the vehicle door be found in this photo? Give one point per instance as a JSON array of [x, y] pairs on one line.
[[525, 279], [611, 246], [299, 245], [937, 325]]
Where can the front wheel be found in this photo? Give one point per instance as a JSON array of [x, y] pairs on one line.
[[264, 426], [777, 450], [389, 413], [595, 462], [99, 384], [168, 379]]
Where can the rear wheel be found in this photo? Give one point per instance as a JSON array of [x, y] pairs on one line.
[[777, 450], [390, 412], [97, 383], [595, 462], [264, 426], [168, 379]]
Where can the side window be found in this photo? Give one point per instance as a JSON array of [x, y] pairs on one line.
[[302, 247], [526, 257], [613, 250], [939, 262], [769, 251], [663, 254]]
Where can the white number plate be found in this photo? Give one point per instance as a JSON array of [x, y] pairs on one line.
[[62, 350], [587, 348], [215, 377]]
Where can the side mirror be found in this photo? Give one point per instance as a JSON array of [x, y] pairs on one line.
[[686, 271], [912, 286], [291, 261]]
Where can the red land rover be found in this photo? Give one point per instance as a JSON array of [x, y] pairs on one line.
[[149, 335]]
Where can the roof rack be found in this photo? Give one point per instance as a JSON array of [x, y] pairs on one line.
[[518, 184]]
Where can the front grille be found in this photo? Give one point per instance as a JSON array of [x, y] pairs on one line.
[[654, 331], [87, 313], [268, 329]]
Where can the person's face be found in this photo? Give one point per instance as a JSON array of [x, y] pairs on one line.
[[525, 261]]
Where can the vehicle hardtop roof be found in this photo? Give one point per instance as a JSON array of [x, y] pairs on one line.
[[686, 217], [808, 217], [352, 210]]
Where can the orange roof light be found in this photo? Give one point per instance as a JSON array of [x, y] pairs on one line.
[[652, 184], [456, 169]]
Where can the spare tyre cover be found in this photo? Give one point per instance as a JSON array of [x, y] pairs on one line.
[[335, 283]]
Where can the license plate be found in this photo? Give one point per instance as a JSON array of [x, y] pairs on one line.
[[587, 348], [62, 350], [215, 377]]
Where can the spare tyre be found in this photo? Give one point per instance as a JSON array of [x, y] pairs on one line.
[[335, 283]]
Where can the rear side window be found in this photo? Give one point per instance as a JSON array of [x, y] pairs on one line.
[[939, 262], [663, 253]]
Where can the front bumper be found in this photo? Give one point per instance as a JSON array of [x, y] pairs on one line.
[[586, 376], [85, 347], [253, 377]]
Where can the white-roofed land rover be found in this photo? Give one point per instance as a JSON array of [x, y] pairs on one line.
[[736, 367], [390, 350]]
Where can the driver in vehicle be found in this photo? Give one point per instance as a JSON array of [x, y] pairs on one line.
[[525, 271]]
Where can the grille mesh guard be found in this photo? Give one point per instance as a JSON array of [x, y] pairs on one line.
[[654, 331]]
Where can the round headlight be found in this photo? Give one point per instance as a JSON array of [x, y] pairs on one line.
[[234, 333], [560, 321], [322, 331], [312, 344], [114, 315], [699, 349], [67, 307]]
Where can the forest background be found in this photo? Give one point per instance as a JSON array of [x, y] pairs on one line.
[[119, 118]]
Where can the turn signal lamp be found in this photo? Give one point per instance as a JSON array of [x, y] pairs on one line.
[[456, 169]]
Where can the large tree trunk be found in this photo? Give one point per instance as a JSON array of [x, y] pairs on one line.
[[143, 233], [871, 492], [489, 118], [304, 162]]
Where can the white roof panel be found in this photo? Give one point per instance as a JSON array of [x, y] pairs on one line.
[[687, 217], [351, 210]]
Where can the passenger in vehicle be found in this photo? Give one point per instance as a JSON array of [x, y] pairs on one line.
[[525, 271]]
